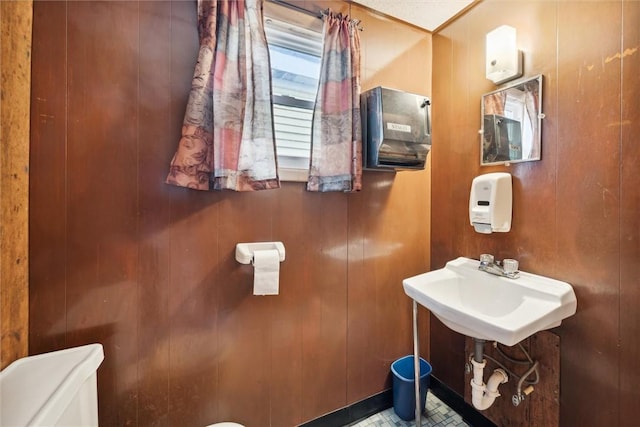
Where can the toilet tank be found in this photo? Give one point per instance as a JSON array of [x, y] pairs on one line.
[[52, 389]]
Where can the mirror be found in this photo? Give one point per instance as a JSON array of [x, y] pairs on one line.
[[512, 123]]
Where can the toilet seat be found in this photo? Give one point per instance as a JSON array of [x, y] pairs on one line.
[[225, 424]]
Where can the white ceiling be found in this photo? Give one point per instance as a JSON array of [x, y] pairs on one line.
[[427, 14]]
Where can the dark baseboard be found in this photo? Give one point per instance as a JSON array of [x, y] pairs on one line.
[[383, 400], [357, 411]]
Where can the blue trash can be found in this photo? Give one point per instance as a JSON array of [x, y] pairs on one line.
[[404, 394]]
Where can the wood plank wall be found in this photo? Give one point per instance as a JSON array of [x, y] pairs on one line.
[[148, 270], [15, 74], [576, 212]]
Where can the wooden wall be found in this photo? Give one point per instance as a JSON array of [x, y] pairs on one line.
[[15, 74], [148, 270], [576, 212]]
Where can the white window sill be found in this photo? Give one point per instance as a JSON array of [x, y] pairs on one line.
[[293, 175]]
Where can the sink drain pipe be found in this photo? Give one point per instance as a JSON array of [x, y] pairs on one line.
[[483, 395]]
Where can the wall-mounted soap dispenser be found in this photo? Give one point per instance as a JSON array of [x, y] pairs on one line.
[[490, 203]]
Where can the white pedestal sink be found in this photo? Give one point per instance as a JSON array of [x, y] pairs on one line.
[[484, 306]]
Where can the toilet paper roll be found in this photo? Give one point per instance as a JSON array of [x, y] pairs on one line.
[[266, 272]]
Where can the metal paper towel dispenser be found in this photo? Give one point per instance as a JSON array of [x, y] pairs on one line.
[[396, 129]]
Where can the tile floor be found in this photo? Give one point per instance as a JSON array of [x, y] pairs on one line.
[[437, 415]]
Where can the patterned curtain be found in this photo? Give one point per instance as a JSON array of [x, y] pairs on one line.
[[494, 103], [336, 139], [227, 134]]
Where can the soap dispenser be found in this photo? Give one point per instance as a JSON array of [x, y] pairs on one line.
[[490, 203]]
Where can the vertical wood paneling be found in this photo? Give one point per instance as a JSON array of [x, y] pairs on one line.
[[102, 261], [378, 307], [192, 312], [47, 192], [193, 309], [148, 269], [286, 387], [630, 216], [362, 321], [325, 307], [154, 219], [442, 235], [545, 402], [402, 239], [536, 22], [386, 223], [15, 49], [575, 211], [193, 295], [245, 322], [588, 205]]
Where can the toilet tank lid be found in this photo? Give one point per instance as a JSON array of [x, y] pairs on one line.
[[35, 390]]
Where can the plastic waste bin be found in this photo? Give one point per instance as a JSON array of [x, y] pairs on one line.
[[404, 394]]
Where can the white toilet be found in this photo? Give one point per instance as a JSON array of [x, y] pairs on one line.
[[226, 424], [55, 389], [52, 389]]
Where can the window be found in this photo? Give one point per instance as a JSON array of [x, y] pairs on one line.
[[295, 53]]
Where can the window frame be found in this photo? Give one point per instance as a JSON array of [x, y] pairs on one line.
[[307, 23]]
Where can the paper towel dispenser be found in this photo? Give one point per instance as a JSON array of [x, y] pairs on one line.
[[396, 129]]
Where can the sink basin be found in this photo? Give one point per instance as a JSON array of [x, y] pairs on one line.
[[481, 305]]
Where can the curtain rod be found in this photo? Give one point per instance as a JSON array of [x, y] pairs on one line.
[[318, 14]]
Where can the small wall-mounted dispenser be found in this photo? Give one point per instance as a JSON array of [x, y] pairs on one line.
[[490, 203], [396, 129]]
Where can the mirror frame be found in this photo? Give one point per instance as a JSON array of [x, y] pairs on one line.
[[537, 132]]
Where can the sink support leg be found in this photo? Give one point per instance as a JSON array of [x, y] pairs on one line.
[[416, 362]]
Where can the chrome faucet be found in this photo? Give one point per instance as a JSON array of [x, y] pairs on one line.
[[507, 268]]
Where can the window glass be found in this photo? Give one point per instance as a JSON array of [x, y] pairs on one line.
[[295, 54]]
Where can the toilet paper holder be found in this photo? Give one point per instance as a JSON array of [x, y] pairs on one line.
[[244, 251]]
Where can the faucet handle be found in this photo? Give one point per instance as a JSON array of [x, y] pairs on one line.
[[510, 265], [486, 259]]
